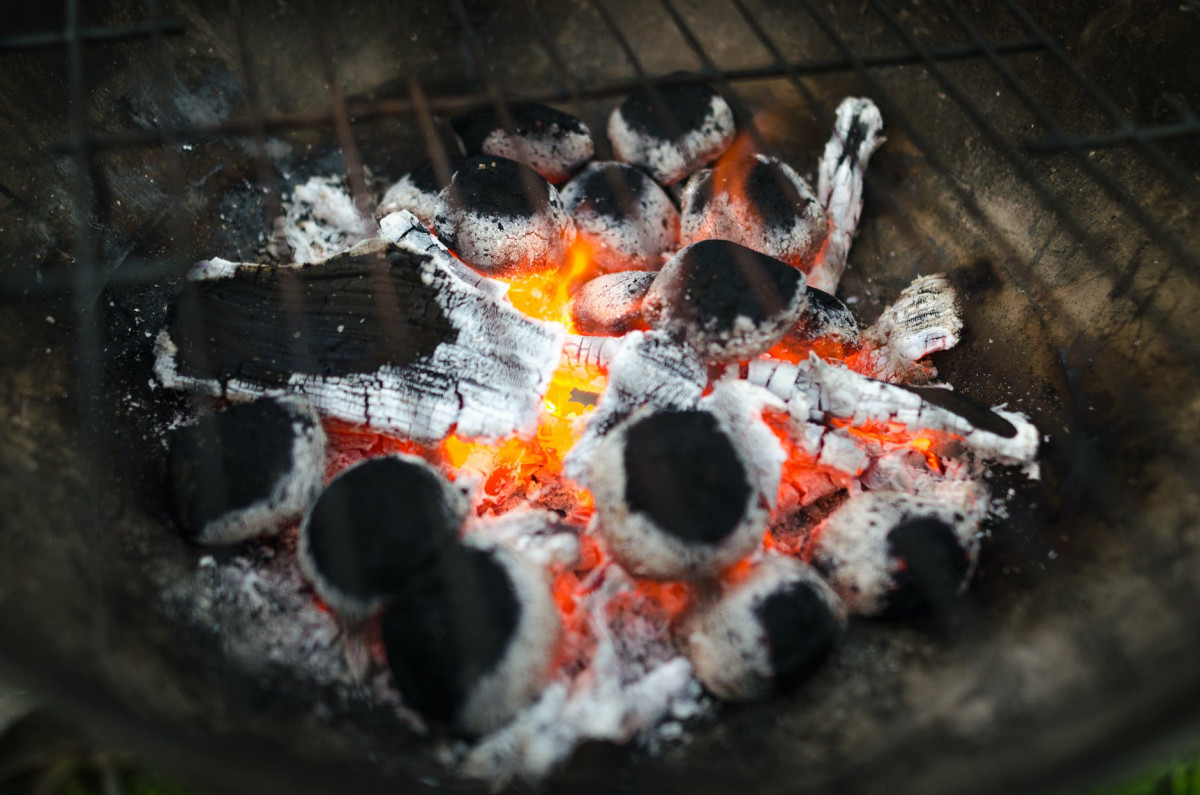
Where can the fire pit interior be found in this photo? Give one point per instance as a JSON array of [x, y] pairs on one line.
[[1059, 212]]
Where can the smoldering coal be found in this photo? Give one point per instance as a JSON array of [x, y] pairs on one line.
[[672, 131], [611, 305], [553, 143], [627, 220]]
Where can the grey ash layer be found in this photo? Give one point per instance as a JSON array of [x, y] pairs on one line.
[[377, 525], [503, 219], [671, 138], [553, 143], [727, 301], [417, 192], [246, 471], [762, 204], [628, 220], [766, 634], [611, 305]]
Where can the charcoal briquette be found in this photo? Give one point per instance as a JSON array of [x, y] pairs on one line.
[[626, 219], [246, 471], [471, 640], [377, 526], [727, 301], [826, 317], [553, 143], [764, 635], [672, 131], [759, 202], [611, 305], [503, 219]]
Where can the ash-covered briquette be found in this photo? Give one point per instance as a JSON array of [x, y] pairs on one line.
[[472, 638], [826, 317], [674, 496], [611, 305], [417, 191], [727, 301], [388, 334], [627, 220], [246, 471], [670, 139], [377, 526], [761, 203], [894, 554], [503, 219], [553, 143], [767, 634], [841, 176]]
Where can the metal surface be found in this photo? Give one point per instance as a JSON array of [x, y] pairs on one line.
[[1068, 222]]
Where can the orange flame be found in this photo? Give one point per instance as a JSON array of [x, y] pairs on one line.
[[894, 435], [547, 295]]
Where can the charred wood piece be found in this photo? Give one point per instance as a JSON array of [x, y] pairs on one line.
[[503, 219], [386, 335], [765, 635], [923, 320], [857, 134], [553, 143], [898, 554], [728, 302], [611, 305], [627, 220], [759, 202], [471, 640], [670, 139], [246, 471]]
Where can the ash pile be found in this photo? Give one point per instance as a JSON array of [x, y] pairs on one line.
[[567, 450]]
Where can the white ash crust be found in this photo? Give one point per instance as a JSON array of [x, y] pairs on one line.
[[669, 161], [581, 350], [526, 665], [726, 643], [612, 302], [648, 369], [405, 194], [290, 495], [628, 242], [555, 153], [539, 535], [321, 219], [488, 384], [833, 390], [405, 226], [923, 320], [738, 407], [346, 605], [852, 546], [639, 544], [857, 134], [732, 217]]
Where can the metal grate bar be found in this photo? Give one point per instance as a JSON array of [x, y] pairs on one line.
[[456, 103], [1057, 144], [58, 38]]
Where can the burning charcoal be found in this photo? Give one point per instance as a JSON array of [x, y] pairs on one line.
[[895, 554], [674, 496], [759, 202], [728, 302], [377, 526], [826, 317], [247, 471], [321, 220], [387, 334], [855, 138], [417, 191], [611, 304], [472, 638], [552, 143], [767, 634], [923, 320], [627, 220], [501, 218], [689, 128]]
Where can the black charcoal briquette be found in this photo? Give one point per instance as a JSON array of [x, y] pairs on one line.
[[553, 143], [672, 131], [627, 220], [825, 317], [246, 471]]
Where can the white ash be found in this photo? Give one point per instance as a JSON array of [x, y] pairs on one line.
[[728, 644], [487, 384], [593, 352], [611, 304], [539, 535], [763, 204], [648, 369], [923, 320], [852, 544], [407, 194], [555, 156], [856, 136], [739, 406], [405, 226], [641, 136], [321, 219], [626, 218]]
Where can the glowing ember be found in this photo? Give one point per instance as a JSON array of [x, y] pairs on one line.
[[547, 296]]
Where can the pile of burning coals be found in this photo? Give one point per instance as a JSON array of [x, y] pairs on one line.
[[566, 465]]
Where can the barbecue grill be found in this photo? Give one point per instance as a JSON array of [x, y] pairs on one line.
[[1035, 155]]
